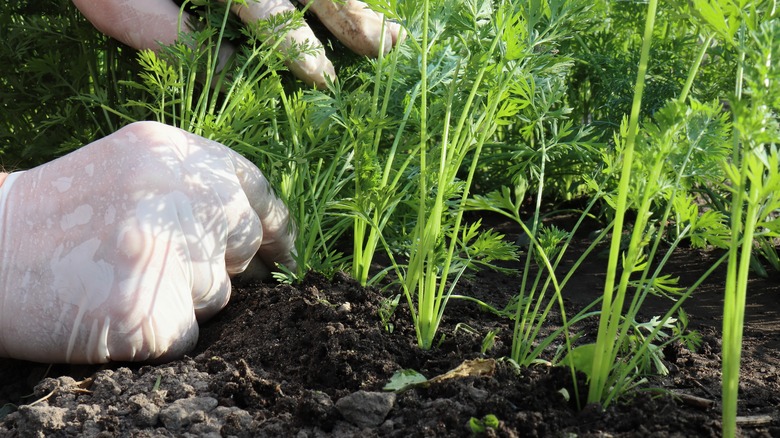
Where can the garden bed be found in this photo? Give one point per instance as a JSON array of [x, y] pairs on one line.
[[487, 105], [312, 359]]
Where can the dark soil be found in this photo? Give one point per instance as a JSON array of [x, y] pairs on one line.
[[312, 359]]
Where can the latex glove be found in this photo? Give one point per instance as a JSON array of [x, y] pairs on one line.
[[144, 24], [113, 252]]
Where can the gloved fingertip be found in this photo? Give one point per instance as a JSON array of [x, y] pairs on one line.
[[397, 33], [256, 271], [313, 70]]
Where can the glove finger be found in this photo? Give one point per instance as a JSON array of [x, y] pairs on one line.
[[141, 24], [356, 25], [313, 66], [396, 32], [218, 295], [278, 231]]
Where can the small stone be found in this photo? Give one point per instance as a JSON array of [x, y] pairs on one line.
[[148, 411], [234, 421], [387, 427], [181, 413], [344, 308], [105, 386], [86, 412], [44, 417], [46, 386], [366, 409]]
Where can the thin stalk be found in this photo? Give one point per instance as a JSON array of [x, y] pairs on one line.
[[441, 300], [611, 309], [695, 69], [428, 299], [734, 310], [417, 260], [365, 246], [737, 270], [520, 321]]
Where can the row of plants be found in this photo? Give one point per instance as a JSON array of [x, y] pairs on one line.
[[500, 106]]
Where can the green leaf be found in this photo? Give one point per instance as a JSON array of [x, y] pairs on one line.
[[404, 379], [581, 358], [715, 16], [476, 426], [490, 421]]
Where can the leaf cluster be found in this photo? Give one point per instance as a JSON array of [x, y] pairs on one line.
[[54, 68], [607, 55]]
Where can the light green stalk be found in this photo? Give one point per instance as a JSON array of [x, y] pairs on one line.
[[695, 70], [426, 278], [737, 270], [367, 229], [612, 306], [414, 275]]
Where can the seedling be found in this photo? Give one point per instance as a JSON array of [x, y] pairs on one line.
[[386, 311], [479, 426]]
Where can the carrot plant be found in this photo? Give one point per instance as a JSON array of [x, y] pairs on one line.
[[677, 134], [530, 308], [380, 188], [538, 133], [754, 182], [463, 60], [364, 108], [316, 168]]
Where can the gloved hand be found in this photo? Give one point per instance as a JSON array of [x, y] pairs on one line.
[[144, 24], [115, 251]]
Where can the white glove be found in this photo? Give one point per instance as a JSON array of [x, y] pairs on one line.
[[144, 24], [115, 251]]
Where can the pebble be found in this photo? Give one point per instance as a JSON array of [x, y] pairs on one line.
[[344, 308], [366, 409], [181, 413]]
